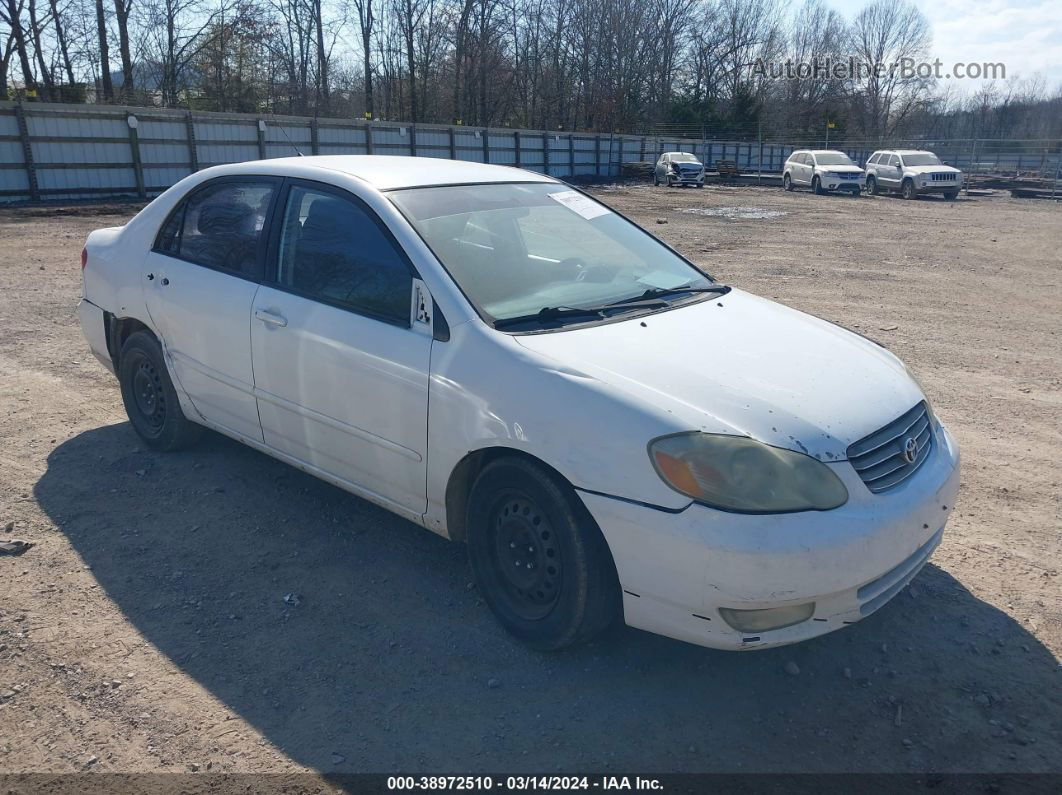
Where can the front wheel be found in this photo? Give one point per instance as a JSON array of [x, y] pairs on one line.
[[951, 195], [872, 186], [816, 186], [149, 397], [908, 190], [538, 557], [787, 182]]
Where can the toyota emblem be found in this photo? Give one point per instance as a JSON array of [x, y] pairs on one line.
[[910, 449]]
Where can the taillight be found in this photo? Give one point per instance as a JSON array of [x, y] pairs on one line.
[[84, 258]]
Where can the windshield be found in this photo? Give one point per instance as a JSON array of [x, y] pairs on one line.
[[833, 159], [516, 249], [683, 157], [921, 159]]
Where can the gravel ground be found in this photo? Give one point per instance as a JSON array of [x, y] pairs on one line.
[[148, 628]]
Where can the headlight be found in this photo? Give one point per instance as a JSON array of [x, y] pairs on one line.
[[736, 473]]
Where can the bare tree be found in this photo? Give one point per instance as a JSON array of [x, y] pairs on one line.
[[885, 34]]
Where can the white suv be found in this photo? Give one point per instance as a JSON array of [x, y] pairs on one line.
[[822, 170], [678, 168], [912, 172]]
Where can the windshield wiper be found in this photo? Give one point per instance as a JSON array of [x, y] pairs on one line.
[[660, 292], [548, 313]]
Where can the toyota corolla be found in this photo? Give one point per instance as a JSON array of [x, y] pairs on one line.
[[510, 363]]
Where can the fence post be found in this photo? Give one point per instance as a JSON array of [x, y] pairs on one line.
[[315, 143], [413, 140], [453, 144], [641, 152], [597, 155], [486, 144], [27, 153], [368, 137], [134, 148], [261, 139], [193, 150], [571, 154], [516, 141], [545, 153]]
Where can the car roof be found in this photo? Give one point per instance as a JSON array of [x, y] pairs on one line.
[[904, 151], [389, 172], [826, 151], [680, 152]]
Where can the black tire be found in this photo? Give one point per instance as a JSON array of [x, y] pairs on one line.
[[538, 557], [787, 182], [951, 195], [656, 181], [816, 186], [149, 397], [700, 184], [872, 186], [907, 189]]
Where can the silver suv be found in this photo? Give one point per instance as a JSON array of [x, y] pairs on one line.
[[822, 170], [911, 172]]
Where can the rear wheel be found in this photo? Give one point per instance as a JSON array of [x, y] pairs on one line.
[[872, 186], [539, 559], [908, 189], [149, 397]]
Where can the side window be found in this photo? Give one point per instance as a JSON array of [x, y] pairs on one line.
[[873, 159], [333, 250], [169, 237], [223, 225], [893, 161]]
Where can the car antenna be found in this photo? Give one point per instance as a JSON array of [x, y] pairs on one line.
[[290, 142]]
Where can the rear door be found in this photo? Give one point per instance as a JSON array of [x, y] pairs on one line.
[[340, 366], [199, 281]]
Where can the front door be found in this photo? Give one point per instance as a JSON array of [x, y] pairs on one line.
[[199, 282], [340, 368], [890, 173]]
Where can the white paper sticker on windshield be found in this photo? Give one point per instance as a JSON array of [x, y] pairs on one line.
[[577, 202]]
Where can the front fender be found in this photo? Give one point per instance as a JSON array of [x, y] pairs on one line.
[[488, 391]]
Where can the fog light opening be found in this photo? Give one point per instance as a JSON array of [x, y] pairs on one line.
[[767, 619]]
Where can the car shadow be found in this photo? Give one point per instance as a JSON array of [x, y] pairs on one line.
[[353, 641]]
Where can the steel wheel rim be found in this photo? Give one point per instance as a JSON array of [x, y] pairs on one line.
[[148, 394], [525, 555]]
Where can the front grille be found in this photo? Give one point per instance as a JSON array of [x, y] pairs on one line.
[[942, 176], [880, 457], [848, 175]]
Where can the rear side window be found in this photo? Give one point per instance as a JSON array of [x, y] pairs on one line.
[[220, 225], [873, 158], [334, 250]]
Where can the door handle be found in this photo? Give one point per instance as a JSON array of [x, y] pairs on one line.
[[270, 318]]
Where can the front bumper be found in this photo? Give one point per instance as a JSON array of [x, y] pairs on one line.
[[853, 185], [678, 569]]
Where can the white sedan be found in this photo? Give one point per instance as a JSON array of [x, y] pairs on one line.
[[510, 363]]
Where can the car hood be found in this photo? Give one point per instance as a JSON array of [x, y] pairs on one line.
[[745, 365], [933, 170], [841, 169]]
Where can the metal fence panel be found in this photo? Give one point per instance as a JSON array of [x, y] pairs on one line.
[[70, 151]]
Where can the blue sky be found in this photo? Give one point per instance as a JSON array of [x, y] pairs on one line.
[[1026, 35]]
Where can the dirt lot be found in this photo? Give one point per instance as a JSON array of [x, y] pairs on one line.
[[148, 630]]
